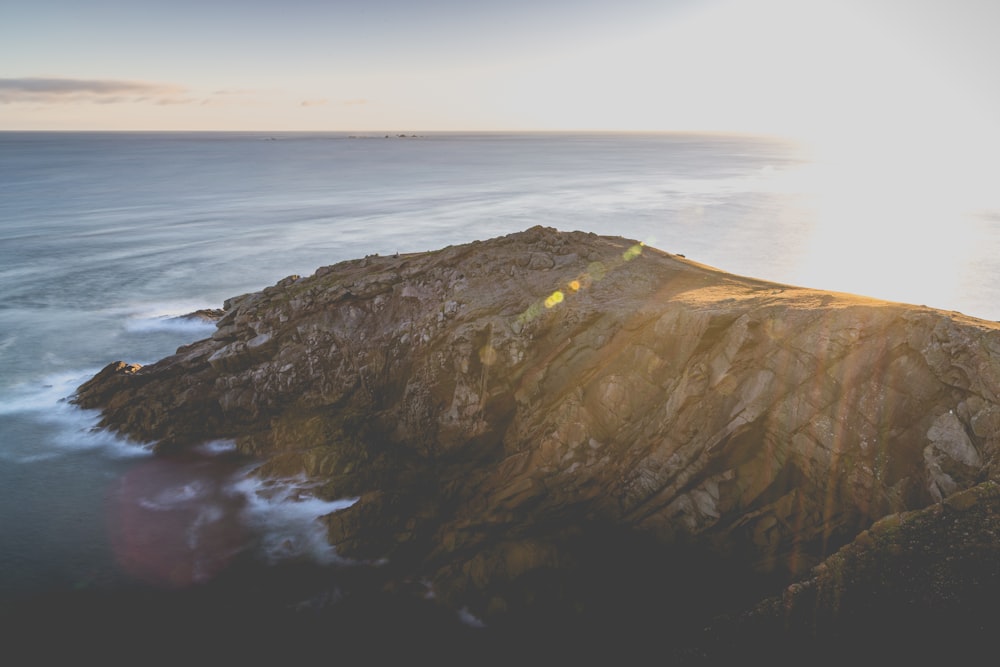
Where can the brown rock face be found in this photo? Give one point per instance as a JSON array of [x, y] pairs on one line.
[[493, 403]]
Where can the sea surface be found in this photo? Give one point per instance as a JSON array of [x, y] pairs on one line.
[[105, 238]]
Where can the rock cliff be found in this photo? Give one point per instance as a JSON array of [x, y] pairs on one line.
[[519, 415]]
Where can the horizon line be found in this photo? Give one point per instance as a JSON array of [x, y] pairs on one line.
[[404, 133]]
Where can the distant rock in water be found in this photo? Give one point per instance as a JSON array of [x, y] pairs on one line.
[[557, 425]]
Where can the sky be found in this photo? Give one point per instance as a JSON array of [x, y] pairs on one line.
[[827, 70]]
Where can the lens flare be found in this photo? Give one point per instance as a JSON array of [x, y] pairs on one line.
[[596, 271], [633, 252], [488, 355]]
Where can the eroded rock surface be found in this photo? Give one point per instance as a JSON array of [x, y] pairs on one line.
[[917, 587], [497, 405]]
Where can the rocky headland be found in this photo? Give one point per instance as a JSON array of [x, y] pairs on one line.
[[559, 430]]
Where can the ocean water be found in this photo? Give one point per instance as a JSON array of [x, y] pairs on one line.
[[106, 237]]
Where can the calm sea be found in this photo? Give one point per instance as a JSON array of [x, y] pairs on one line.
[[105, 237]]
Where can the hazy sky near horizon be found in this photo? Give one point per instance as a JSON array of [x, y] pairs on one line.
[[813, 68]]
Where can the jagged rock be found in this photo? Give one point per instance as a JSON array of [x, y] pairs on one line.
[[918, 587], [502, 406], [205, 315]]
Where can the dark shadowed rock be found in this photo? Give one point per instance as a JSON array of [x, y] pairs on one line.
[[917, 587], [554, 425]]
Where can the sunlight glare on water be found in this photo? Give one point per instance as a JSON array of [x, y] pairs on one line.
[[891, 227]]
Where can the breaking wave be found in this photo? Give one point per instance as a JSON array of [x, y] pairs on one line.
[[169, 318], [285, 515], [45, 408], [181, 522]]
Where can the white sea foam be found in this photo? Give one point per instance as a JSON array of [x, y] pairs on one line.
[[158, 311], [44, 396], [177, 323], [170, 498], [285, 514], [68, 427], [469, 619], [216, 447], [207, 514], [163, 317]]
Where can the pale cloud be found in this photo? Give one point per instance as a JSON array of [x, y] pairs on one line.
[[234, 91], [232, 97], [357, 101], [42, 90]]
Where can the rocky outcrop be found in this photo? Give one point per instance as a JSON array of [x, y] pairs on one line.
[[507, 409], [918, 587]]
